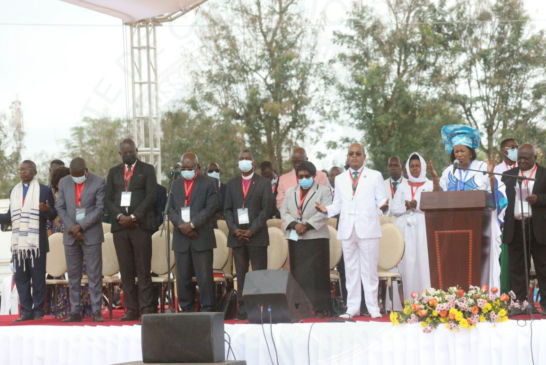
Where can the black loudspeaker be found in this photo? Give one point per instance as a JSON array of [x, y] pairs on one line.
[[275, 289], [183, 338]]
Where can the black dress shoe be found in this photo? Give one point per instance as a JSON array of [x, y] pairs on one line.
[[97, 317], [241, 315], [147, 311], [320, 314], [73, 317], [130, 316], [23, 318], [38, 316]]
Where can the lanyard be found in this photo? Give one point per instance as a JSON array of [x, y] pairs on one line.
[[275, 186], [128, 177], [525, 181], [79, 189], [508, 167], [301, 207], [245, 191], [189, 188], [416, 188], [355, 183], [462, 181], [392, 189]]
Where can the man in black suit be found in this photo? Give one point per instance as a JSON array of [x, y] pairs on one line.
[[533, 216], [29, 256], [267, 171], [248, 206], [131, 191], [213, 170], [194, 201], [161, 202]]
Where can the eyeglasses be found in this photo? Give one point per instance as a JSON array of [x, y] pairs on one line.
[[306, 176], [25, 169], [187, 169], [208, 172], [354, 153], [508, 148]]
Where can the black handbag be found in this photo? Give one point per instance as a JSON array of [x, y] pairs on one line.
[[228, 304]]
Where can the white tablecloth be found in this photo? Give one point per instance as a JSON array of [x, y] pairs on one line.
[[331, 343]]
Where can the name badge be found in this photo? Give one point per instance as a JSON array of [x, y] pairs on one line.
[[293, 235], [126, 199], [80, 214], [242, 215], [185, 214], [352, 207]]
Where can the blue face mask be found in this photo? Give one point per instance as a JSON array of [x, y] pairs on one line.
[[188, 175], [306, 183], [11, 267], [245, 165], [513, 154], [79, 180], [214, 174]]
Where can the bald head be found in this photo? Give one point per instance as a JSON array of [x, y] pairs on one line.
[[78, 167], [356, 156], [189, 161], [298, 156], [527, 156]]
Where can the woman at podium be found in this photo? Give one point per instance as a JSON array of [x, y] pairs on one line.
[[466, 174], [410, 219]]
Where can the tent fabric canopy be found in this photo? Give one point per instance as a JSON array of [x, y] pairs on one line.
[[134, 10]]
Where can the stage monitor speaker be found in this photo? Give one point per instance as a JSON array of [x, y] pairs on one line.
[[183, 338], [280, 291]]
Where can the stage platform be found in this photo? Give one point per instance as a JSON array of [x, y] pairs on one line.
[[366, 341]]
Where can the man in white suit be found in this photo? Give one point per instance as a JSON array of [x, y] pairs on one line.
[[359, 192], [395, 179]]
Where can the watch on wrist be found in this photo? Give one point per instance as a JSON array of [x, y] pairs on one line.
[[133, 217], [192, 226]]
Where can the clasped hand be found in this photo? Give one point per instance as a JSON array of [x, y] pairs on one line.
[[186, 230], [126, 221], [243, 235], [300, 228], [44, 208], [532, 199], [411, 204]]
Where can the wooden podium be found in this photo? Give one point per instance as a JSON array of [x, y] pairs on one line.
[[458, 236]]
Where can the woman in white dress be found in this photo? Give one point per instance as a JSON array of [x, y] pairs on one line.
[[461, 142], [411, 221]]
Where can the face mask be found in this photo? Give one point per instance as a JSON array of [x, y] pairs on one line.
[[79, 180], [214, 174], [188, 175], [306, 183], [128, 159], [245, 165], [11, 267], [513, 155]]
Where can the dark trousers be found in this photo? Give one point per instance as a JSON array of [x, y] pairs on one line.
[[26, 270], [134, 251], [517, 263], [199, 262], [257, 255], [342, 278], [75, 254], [310, 267]]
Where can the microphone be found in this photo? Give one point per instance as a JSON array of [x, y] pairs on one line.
[[177, 166], [456, 165]]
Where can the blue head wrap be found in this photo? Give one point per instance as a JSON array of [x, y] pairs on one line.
[[458, 134]]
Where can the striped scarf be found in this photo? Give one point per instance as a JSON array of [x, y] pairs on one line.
[[25, 221]]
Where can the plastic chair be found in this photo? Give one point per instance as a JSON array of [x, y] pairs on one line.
[[277, 252], [275, 222], [56, 265], [391, 251], [332, 222], [384, 219], [335, 256], [106, 227], [160, 266], [110, 268]]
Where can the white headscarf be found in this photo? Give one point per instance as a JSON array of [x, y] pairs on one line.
[[423, 176]]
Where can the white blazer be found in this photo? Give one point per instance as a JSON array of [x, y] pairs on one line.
[[388, 194], [369, 196]]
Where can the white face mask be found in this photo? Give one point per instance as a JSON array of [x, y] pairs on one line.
[[245, 165], [188, 175], [79, 180], [214, 174]]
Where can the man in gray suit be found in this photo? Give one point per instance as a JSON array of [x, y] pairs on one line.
[[194, 202], [80, 206]]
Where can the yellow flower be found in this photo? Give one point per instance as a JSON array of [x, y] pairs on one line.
[[453, 310], [502, 313], [464, 323], [459, 317], [447, 326], [407, 310], [482, 319], [487, 308], [394, 316], [434, 313], [395, 322], [423, 324]]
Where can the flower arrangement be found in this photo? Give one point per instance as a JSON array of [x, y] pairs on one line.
[[457, 308]]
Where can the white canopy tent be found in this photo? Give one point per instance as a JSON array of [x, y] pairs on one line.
[[142, 16]]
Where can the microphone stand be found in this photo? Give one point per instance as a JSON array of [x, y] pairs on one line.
[[170, 290], [530, 310]]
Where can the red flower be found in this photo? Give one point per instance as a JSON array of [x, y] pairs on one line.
[[452, 316], [476, 296], [443, 314], [422, 313], [475, 309], [485, 288], [413, 295], [494, 290], [433, 302], [460, 293], [504, 298], [415, 307]]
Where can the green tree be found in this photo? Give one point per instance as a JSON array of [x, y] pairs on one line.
[[393, 72], [10, 157], [257, 68], [500, 63], [96, 140]]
